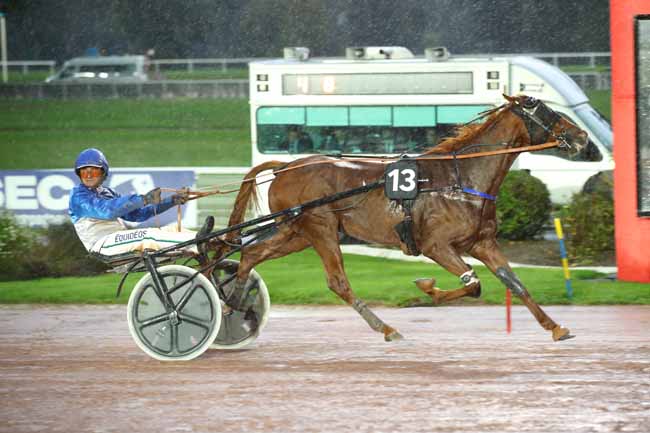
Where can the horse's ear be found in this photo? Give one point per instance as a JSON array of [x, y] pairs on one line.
[[509, 98]]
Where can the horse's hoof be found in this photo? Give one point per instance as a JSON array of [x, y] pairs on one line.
[[393, 336], [428, 286], [561, 333], [425, 284]]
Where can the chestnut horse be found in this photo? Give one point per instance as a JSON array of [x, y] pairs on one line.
[[446, 222]]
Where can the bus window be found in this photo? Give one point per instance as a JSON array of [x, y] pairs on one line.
[[357, 130], [117, 69], [352, 139], [270, 138], [297, 141]]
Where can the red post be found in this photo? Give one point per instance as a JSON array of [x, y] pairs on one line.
[[632, 229]]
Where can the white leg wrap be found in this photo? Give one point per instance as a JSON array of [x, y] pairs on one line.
[[469, 277], [374, 321]]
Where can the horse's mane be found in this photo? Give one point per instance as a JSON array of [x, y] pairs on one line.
[[465, 133]]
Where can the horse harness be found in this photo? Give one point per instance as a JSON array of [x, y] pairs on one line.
[[539, 121], [401, 181]]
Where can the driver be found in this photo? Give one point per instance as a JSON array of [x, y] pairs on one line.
[[101, 216]]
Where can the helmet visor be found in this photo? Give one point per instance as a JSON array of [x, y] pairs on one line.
[[89, 172]]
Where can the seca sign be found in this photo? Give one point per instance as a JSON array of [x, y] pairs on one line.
[[40, 197], [29, 192]]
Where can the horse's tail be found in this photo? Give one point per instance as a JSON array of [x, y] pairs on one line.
[[248, 194]]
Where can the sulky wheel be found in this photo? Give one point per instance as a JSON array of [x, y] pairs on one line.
[[174, 336], [240, 328]]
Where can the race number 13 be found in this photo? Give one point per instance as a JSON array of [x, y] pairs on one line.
[[401, 180]]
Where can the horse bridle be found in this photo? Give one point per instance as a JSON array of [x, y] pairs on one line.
[[539, 121]]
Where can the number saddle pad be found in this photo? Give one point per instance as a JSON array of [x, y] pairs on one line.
[[401, 180]]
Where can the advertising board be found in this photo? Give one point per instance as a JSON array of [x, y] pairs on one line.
[[40, 197]]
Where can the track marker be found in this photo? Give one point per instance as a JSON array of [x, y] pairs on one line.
[[565, 260]]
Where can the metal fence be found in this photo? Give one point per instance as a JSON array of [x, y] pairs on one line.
[[25, 66], [190, 65], [209, 89], [592, 80], [589, 59]]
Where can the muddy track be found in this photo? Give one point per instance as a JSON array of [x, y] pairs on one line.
[[320, 369]]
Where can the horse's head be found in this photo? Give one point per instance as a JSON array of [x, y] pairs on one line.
[[546, 125]]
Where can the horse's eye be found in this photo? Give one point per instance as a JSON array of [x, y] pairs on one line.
[[530, 102]]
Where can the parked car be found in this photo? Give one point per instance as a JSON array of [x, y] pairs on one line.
[[114, 68]]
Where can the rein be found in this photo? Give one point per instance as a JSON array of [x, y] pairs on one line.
[[193, 195]]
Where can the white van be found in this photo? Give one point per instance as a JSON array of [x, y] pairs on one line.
[[109, 68], [379, 99]]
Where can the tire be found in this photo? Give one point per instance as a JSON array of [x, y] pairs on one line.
[[240, 329], [600, 183], [199, 316]]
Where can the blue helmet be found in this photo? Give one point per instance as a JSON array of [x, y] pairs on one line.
[[91, 158]]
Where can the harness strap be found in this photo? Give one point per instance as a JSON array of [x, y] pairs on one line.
[[479, 193], [405, 228]]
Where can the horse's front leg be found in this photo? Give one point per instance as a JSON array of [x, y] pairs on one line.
[[449, 259], [489, 253]]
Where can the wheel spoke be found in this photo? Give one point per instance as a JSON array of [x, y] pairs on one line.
[[195, 321], [153, 321], [173, 289], [151, 286], [174, 330], [186, 297], [220, 286]]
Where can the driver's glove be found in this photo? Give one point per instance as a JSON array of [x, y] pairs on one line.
[[181, 197], [152, 197]]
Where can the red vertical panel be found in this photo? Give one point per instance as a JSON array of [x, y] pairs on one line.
[[632, 232]]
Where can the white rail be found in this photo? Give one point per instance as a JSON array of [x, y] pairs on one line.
[[591, 59], [190, 64], [25, 65]]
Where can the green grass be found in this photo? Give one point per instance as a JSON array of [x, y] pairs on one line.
[[601, 100], [205, 74], [113, 114], [299, 279], [178, 132], [30, 77], [585, 68]]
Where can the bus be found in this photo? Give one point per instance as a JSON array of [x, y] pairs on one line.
[[386, 101]]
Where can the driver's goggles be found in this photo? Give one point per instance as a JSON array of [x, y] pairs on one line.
[[90, 172]]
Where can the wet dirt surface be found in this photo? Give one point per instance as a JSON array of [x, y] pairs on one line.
[[320, 369]]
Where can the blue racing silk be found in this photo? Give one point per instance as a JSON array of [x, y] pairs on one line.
[[105, 204], [101, 211]]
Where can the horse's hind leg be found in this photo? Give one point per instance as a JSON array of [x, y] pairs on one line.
[[283, 242], [489, 253], [451, 261], [321, 230]]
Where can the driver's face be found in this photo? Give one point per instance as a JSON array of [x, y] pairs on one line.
[[92, 177]]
